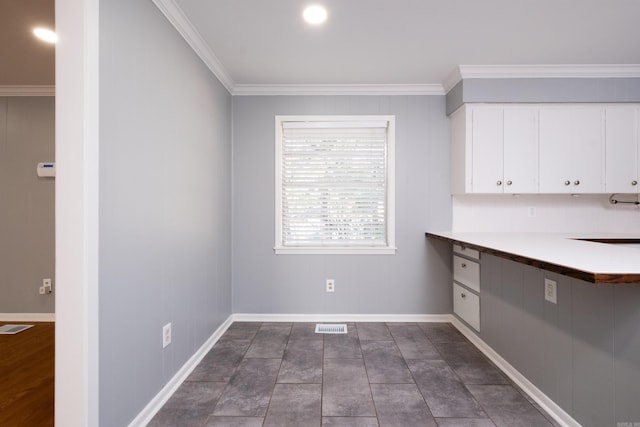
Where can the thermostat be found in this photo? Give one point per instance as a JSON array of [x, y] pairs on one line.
[[46, 169]]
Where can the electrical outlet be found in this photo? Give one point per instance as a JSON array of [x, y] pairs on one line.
[[166, 335], [330, 285], [551, 290], [531, 211], [41, 290], [46, 285]]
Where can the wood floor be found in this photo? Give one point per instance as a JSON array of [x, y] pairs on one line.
[[26, 376]]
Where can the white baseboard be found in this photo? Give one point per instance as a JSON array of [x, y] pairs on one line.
[[27, 317], [152, 408], [263, 317], [558, 414]]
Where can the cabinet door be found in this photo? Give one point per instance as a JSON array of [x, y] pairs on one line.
[[487, 134], [622, 150], [520, 150], [572, 150]]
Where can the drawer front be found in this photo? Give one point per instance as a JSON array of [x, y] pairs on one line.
[[466, 304], [471, 253], [466, 272]]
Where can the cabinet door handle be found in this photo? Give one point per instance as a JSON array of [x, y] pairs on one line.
[[634, 182], [567, 183], [498, 182], [576, 182], [509, 182], [463, 295], [463, 265]]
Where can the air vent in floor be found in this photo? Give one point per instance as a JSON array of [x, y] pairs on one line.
[[330, 329], [13, 329]]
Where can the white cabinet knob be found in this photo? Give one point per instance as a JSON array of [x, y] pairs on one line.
[[509, 182], [567, 183], [576, 182], [498, 182]]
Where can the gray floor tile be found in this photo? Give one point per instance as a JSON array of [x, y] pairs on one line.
[[507, 407], [479, 373], [412, 342], [294, 405], [350, 422], [443, 391], [270, 341], [401, 405], [302, 362], [460, 352], [373, 331], [465, 422], [234, 422], [441, 332], [342, 346], [385, 363], [305, 331], [221, 362], [249, 389], [346, 389], [191, 404], [241, 331]]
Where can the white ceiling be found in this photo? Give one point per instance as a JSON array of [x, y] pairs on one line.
[[406, 42], [364, 42]]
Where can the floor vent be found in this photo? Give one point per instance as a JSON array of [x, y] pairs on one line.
[[13, 329], [331, 329]]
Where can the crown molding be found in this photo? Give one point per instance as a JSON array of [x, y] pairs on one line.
[[578, 71], [33, 90], [183, 25], [338, 89]]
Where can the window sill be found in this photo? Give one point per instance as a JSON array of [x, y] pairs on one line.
[[279, 250]]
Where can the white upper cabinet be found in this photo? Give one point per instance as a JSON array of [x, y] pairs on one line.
[[494, 149], [572, 149], [622, 149]]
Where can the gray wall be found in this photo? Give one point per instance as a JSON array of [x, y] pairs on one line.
[[416, 280], [544, 90], [584, 352], [27, 235], [165, 198]]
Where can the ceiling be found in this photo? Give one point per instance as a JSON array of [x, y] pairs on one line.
[[363, 42], [408, 41], [25, 60]]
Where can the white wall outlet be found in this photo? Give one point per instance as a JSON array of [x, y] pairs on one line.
[[531, 211], [330, 285], [551, 290], [41, 290], [166, 335], [46, 285]]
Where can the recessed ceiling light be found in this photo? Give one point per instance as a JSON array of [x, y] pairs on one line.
[[46, 35], [315, 15]]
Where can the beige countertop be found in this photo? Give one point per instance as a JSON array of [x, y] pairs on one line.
[[595, 262]]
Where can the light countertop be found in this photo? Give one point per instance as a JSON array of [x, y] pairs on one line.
[[562, 253]]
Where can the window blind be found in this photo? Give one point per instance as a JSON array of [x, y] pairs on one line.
[[334, 184]]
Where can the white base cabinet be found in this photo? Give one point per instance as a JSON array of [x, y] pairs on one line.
[[466, 285]]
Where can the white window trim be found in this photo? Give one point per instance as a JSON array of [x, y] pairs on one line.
[[390, 248]]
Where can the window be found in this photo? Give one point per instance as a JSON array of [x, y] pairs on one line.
[[335, 184]]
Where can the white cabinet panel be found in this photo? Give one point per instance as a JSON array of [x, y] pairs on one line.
[[622, 153], [487, 150], [466, 272], [520, 150], [572, 149], [466, 304], [470, 253]]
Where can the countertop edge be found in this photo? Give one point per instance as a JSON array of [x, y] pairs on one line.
[[591, 277]]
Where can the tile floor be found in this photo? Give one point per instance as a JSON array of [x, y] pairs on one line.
[[378, 374]]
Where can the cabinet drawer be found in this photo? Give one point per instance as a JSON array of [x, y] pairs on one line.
[[471, 253], [466, 272], [466, 304]]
